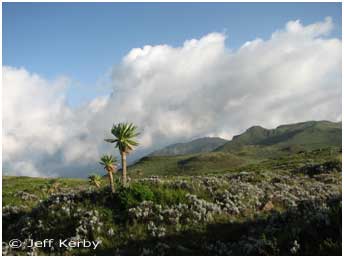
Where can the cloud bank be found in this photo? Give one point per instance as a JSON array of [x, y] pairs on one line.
[[173, 94]]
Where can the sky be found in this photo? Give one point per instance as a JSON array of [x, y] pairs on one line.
[[84, 40], [177, 70]]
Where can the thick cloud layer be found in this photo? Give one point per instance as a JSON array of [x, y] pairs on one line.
[[41, 134], [174, 94]]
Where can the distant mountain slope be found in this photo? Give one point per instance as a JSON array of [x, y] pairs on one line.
[[193, 164], [200, 145], [254, 146], [302, 136]]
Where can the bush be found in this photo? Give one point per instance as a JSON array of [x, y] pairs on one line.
[[166, 196], [132, 196], [333, 165], [328, 167]]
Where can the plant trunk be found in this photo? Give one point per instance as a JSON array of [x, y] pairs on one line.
[[111, 182], [124, 168]]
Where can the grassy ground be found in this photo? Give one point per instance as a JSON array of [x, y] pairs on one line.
[[283, 206], [41, 187], [245, 158], [197, 164]]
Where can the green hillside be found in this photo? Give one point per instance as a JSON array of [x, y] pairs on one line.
[[210, 162], [300, 136], [185, 164], [267, 195], [200, 145], [286, 206], [255, 145], [157, 165]]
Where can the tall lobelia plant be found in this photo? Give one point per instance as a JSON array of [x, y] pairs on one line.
[[109, 163], [125, 134]]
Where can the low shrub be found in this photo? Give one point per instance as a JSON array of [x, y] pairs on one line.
[[166, 196], [128, 197], [332, 166]]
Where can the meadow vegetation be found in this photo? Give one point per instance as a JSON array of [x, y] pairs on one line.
[[213, 203]]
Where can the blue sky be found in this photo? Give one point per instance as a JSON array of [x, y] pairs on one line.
[[84, 40]]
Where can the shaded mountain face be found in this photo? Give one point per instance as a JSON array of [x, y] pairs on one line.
[[202, 145], [304, 136]]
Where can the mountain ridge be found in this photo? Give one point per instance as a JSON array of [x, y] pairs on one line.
[[255, 145], [310, 134], [199, 145]]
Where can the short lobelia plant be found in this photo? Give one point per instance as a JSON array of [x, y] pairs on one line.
[[54, 186], [95, 180], [125, 134], [109, 163]]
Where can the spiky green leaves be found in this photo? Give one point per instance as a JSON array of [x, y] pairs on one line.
[[95, 180], [125, 134], [109, 162]]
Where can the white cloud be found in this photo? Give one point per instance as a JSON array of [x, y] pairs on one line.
[[173, 94], [39, 127], [203, 88]]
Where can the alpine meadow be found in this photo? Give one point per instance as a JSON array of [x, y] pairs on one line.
[[161, 129]]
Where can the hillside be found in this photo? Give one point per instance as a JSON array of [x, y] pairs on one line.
[[289, 206], [200, 145], [300, 136], [216, 203], [185, 164], [253, 146]]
